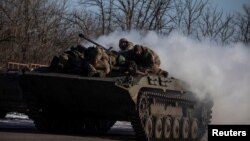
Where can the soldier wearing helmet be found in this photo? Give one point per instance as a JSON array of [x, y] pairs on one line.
[[96, 63], [125, 45], [69, 61], [145, 59]]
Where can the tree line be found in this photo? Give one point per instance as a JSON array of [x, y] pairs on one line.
[[35, 30]]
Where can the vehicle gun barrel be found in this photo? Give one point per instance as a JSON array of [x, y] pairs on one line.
[[95, 43]]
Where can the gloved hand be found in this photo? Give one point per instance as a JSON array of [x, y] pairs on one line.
[[132, 67]]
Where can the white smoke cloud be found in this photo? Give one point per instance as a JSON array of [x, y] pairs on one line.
[[224, 72]]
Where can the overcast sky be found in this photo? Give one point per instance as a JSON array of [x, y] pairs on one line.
[[230, 6]]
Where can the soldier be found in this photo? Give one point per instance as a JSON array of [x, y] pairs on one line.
[[154, 59], [143, 58], [125, 45], [146, 59], [75, 58], [102, 60], [97, 62], [150, 61], [70, 61]]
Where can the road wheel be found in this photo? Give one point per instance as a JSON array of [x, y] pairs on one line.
[[194, 129], [158, 128], [149, 127], [143, 108], [185, 128], [176, 128], [167, 128]]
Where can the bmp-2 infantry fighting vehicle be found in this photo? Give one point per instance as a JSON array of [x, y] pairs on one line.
[[158, 107]]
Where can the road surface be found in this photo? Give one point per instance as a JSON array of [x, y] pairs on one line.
[[24, 130]]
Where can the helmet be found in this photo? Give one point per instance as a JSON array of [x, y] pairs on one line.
[[123, 40], [124, 44]]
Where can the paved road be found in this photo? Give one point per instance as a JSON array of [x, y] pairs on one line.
[[24, 130]]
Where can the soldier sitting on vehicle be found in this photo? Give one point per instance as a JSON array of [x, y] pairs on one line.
[[143, 56], [96, 62], [147, 60]]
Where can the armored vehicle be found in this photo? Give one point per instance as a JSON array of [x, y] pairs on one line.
[[159, 108]]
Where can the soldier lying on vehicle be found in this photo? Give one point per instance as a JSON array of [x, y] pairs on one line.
[[70, 61], [92, 61]]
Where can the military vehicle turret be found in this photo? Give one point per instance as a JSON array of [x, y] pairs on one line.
[[158, 107]]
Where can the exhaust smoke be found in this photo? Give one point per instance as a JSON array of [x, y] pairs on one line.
[[222, 71]]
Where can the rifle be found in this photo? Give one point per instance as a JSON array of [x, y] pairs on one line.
[[93, 42]]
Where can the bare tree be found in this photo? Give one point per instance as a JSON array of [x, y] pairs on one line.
[[127, 10], [194, 9], [142, 14], [31, 30], [186, 15], [104, 13], [243, 23], [227, 29], [158, 20], [84, 22], [215, 25], [178, 13], [209, 24]]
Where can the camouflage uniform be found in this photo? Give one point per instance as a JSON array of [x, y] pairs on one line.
[[154, 59], [102, 61], [69, 61], [113, 58], [97, 62], [152, 62], [145, 59], [74, 58]]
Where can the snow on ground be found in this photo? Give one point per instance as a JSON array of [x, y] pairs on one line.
[[22, 119], [16, 116], [122, 124]]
